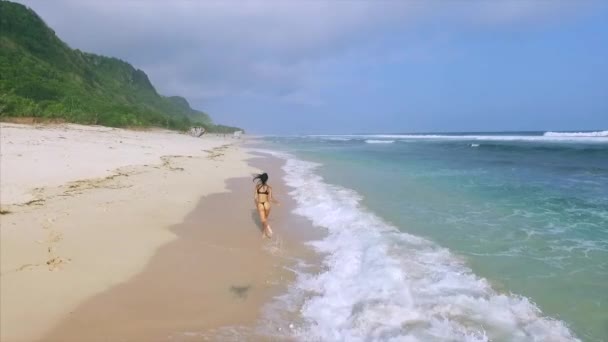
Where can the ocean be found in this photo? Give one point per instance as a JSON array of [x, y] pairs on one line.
[[450, 237]]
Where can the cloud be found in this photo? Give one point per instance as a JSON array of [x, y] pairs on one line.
[[283, 49]]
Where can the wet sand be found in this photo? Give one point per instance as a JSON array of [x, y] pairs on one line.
[[218, 272]]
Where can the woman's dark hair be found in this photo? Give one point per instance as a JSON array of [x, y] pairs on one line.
[[262, 178]]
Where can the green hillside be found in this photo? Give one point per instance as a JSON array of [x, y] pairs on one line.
[[42, 77]]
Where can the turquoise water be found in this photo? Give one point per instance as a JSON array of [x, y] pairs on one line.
[[525, 212]]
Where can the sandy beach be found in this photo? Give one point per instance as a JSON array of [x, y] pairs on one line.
[[111, 234], [441, 171]]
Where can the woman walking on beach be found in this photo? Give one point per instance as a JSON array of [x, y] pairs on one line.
[[262, 198]]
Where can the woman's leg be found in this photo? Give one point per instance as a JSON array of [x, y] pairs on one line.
[[266, 213], [267, 209], [262, 212]]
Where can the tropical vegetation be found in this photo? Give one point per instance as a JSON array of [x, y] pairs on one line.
[[42, 77]]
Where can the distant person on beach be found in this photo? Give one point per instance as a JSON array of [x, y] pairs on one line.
[[262, 198]]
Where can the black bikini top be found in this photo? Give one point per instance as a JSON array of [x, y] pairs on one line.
[[263, 192]]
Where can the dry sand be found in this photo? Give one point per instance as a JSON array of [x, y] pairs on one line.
[[39, 156], [113, 254]]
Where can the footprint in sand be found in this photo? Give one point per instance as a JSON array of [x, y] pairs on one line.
[[55, 263], [26, 267], [55, 237]]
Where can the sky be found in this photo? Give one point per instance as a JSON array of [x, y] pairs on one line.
[[348, 66]]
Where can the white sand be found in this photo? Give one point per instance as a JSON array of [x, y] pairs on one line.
[[82, 237], [42, 156]]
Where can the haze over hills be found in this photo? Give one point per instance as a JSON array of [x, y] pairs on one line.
[[42, 77]]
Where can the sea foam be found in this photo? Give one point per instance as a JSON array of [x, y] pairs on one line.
[[379, 283], [577, 134], [372, 141], [339, 139], [581, 137]]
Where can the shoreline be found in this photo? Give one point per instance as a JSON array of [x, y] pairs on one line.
[[382, 273], [173, 297], [96, 259]]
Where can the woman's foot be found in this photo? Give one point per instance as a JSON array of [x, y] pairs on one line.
[[267, 232]]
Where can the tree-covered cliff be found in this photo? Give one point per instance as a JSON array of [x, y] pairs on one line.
[[41, 76]]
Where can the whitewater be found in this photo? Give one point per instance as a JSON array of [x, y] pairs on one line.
[[448, 237], [595, 137], [380, 284]]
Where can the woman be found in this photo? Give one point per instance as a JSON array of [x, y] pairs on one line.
[[262, 198]]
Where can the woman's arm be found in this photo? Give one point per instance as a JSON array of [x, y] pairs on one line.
[[271, 196], [255, 196]]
